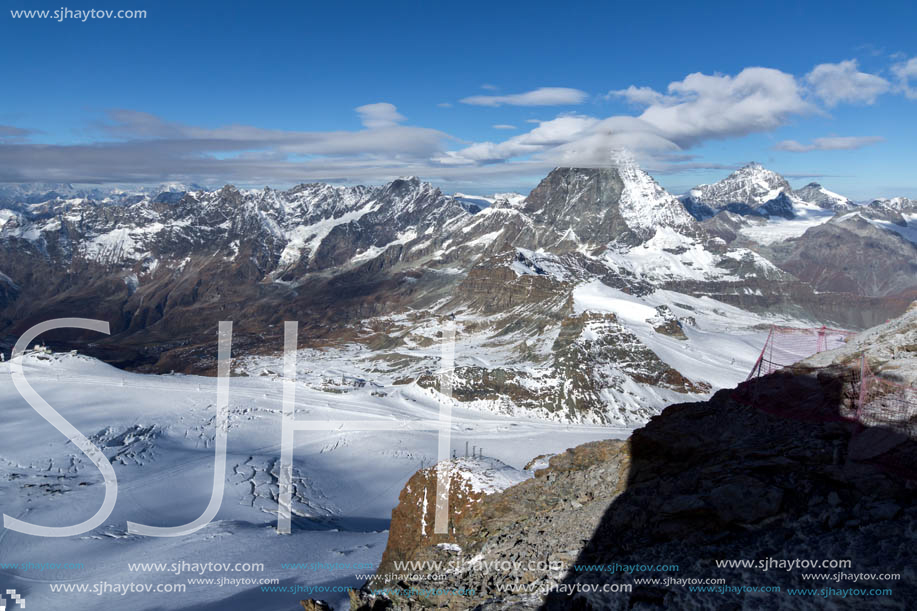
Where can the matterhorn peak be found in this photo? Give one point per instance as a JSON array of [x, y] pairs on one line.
[[645, 204], [623, 159]]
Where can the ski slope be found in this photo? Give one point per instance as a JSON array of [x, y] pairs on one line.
[[158, 432]]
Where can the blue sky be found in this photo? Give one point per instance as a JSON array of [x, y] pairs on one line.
[[268, 93]]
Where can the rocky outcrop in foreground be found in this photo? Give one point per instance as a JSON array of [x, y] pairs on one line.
[[702, 482]]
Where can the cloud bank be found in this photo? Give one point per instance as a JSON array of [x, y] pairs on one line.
[[543, 96], [663, 129], [906, 72], [843, 82], [833, 143]]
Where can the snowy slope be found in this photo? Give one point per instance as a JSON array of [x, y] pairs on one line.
[[647, 206], [778, 229], [484, 201], [671, 256], [722, 343], [816, 194], [158, 433]]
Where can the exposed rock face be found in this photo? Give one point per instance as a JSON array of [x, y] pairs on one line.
[[592, 207], [8, 291], [594, 356], [568, 498], [749, 190], [701, 482], [724, 225], [851, 255], [470, 480], [493, 286], [667, 323], [891, 349], [582, 200]]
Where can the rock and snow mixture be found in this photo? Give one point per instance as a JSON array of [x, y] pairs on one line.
[[701, 482], [891, 349]]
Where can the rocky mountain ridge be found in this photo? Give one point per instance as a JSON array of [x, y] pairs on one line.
[[568, 282], [752, 189]]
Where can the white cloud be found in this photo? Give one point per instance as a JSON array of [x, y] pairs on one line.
[[843, 82], [543, 96], [699, 108], [832, 143], [489, 87], [381, 114], [704, 107], [608, 137], [905, 71], [548, 134], [445, 104], [141, 147], [641, 96]]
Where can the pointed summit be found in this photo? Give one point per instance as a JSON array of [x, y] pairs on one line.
[[645, 204], [602, 205], [748, 190], [814, 193]]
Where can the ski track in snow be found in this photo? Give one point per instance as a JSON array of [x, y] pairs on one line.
[[158, 433]]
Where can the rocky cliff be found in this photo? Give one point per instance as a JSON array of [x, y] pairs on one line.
[[701, 483]]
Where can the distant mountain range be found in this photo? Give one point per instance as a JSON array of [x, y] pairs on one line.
[[527, 277]]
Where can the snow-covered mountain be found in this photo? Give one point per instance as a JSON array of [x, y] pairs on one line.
[[578, 301], [816, 234], [584, 210], [901, 204], [16, 196], [647, 207], [309, 226], [752, 189], [829, 200], [483, 201], [892, 213]]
